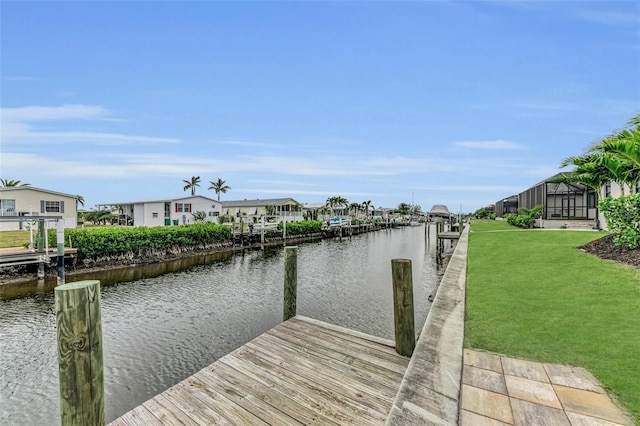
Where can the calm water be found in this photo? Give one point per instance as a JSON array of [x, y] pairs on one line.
[[160, 329]]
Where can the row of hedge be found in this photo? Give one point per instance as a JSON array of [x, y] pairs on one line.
[[108, 241], [302, 228], [92, 242]]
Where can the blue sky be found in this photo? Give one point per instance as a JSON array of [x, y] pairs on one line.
[[431, 102]]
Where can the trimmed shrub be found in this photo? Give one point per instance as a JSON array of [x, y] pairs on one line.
[[623, 219]]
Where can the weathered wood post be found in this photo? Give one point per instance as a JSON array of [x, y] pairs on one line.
[[41, 240], [403, 306], [60, 240], [290, 282], [80, 353]]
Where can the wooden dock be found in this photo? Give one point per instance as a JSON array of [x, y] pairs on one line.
[[449, 235], [302, 371], [21, 256]]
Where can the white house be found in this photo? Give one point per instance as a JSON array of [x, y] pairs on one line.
[[165, 211], [19, 201], [278, 209]]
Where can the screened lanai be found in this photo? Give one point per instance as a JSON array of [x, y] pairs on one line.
[[561, 201]]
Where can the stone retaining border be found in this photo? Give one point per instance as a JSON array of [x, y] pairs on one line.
[[430, 390]]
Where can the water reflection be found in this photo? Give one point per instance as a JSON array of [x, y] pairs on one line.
[[170, 320]]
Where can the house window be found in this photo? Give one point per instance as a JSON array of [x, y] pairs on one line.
[[183, 207], [8, 205], [214, 214], [607, 189], [154, 215], [52, 206]]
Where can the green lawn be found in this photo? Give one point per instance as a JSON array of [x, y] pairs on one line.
[[532, 294], [14, 238]]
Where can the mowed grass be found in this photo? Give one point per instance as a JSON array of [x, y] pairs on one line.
[[14, 238], [532, 294]]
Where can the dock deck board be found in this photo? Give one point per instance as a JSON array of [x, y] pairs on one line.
[[302, 371]]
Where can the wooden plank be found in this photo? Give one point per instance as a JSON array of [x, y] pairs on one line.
[[301, 389], [342, 330], [140, 416], [310, 364], [268, 395], [227, 408], [363, 339], [191, 406], [167, 412], [361, 346], [239, 395], [336, 347], [340, 383], [365, 373]]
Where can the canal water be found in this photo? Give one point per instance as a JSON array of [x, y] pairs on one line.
[[160, 328]]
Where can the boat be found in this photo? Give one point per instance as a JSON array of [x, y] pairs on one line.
[[337, 222]]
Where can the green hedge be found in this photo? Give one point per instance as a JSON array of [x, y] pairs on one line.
[[301, 228], [105, 241]]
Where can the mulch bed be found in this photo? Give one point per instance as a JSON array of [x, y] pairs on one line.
[[605, 249]]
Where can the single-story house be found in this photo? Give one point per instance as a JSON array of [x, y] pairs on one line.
[[564, 203], [165, 211], [506, 205], [274, 209], [18, 201]]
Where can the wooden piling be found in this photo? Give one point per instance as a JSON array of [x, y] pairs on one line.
[[40, 245], [403, 306], [80, 365], [290, 282], [60, 247]]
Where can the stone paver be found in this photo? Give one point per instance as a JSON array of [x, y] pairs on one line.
[[499, 390]]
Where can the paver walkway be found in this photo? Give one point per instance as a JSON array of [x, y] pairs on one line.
[[497, 390]]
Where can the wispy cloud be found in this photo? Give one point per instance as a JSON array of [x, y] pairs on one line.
[[491, 145], [63, 112], [20, 125], [266, 169]]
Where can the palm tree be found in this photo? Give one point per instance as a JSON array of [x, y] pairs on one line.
[[335, 202], [6, 183], [404, 209], [219, 186], [79, 200], [354, 208], [365, 207], [195, 182]]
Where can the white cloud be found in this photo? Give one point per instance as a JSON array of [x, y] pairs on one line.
[[491, 145], [19, 126], [63, 112]]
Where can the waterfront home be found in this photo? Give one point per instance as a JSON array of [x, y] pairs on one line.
[[165, 211], [273, 209], [20, 201], [572, 205]]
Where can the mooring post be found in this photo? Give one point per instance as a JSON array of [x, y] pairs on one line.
[[60, 240], [41, 237], [403, 306], [290, 282], [79, 330]]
